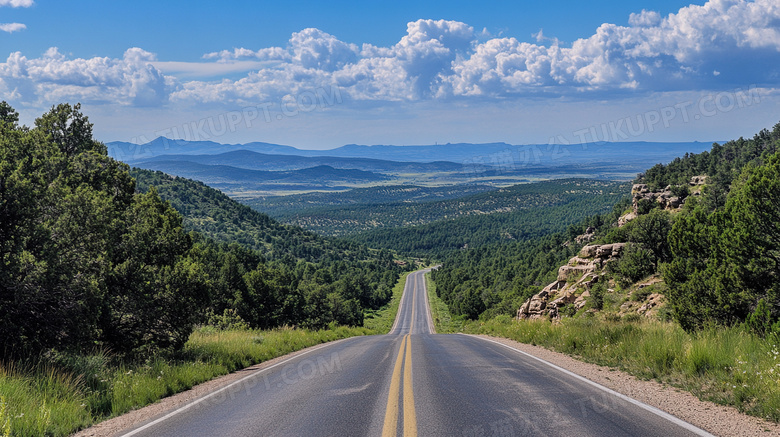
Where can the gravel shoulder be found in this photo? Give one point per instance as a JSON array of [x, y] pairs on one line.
[[716, 419]]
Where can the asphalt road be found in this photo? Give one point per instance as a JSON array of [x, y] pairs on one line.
[[412, 382]]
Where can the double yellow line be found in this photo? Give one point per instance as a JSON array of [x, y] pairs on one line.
[[393, 399], [404, 360]]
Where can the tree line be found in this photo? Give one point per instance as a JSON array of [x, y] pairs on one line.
[[88, 260]]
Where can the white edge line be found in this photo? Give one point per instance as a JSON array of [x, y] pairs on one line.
[[400, 306], [658, 412], [401, 303], [252, 375], [431, 326]]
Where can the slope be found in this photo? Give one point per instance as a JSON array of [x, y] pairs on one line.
[[217, 216]]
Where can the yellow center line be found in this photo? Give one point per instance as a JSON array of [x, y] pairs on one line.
[[410, 416], [391, 414], [402, 371]]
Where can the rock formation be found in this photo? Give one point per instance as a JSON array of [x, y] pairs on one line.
[[573, 283], [665, 197]]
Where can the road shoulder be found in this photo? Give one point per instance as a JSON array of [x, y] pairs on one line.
[[717, 419], [124, 423]]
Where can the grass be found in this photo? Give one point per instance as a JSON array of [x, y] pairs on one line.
[[381, 321], [60, 394], [729, 366]]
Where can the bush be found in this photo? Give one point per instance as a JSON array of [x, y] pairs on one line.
[[597, 296], [644, 206], [681, 191], [635, 264]]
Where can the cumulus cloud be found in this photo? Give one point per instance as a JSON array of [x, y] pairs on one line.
[[644, 19], [718, 45], [16, 3], [12, 27], [444, 59], [132, 80]]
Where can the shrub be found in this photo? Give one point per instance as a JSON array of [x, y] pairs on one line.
[[681, 191], [597, 295], [635, 264]]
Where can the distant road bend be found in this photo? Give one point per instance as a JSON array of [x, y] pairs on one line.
[[412, 382]]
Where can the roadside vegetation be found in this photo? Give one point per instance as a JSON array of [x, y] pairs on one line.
[[381, 321], [114, 294], [61, 393], [715, 260]]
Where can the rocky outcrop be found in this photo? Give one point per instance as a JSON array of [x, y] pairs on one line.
[[669, 201], [573, 284], [698, 180], [587, 237], [626, 218], [664, 197]]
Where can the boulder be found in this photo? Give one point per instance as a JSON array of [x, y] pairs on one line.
[[589, 251], [626, 218], [610, 250], [574, 273], [698, 180], [580, 302]]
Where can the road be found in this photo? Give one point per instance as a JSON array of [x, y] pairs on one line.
[[412, 382]]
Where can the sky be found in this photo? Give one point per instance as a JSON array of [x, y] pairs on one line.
[[320, 75]]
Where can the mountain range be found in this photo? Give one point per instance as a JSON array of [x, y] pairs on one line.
[[494, 154]]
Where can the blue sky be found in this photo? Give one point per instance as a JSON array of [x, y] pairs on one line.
[[324, 74]]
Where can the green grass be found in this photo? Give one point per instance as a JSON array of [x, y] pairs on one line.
[[59, 394], [729, 366], [74, 392], [381, 321]]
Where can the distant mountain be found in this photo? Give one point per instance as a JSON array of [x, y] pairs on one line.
[[493, 154], [230, 178], [260, 161], [130, 152]]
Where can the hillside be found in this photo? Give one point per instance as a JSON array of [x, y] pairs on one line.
[[217, 216], [98, 257], [699, 243]]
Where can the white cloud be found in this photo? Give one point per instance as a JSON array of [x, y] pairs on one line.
[[184, 70], [12, 27], [132, 80], [644, 19], [16, 3], [267, 54], [439, 59]]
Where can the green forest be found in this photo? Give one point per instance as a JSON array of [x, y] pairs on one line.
[[535, 210], [516, 204], [96, 257]]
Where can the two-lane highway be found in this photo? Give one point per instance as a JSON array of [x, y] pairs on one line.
[[413, 382]]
